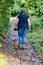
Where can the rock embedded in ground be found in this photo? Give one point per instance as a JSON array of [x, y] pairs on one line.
[[26, 58], [26, 63], [33, 60]]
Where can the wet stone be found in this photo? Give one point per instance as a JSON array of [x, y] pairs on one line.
[[26, 58], [33, 59], [26, 63]]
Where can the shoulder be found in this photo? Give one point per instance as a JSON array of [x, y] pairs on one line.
[[18, 16], [27, 16]]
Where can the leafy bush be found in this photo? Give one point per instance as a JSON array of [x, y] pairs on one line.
[[33, 35], [14, 13], [37, 34], [35, 25], [22, 4], [41, 18], [42, 52], [5, 14], [37, 46]]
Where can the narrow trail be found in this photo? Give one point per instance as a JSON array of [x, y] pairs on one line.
[[19, 56]]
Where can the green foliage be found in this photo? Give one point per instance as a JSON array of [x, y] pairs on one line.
[[3, 60], [42, 52], [34, 35], [41, 18], [37, 34], [35, 25], [33, 8], [5, 13], [37, 46], [14, 13]]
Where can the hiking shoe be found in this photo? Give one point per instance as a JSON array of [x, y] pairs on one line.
[[20, 46], [23, 47]]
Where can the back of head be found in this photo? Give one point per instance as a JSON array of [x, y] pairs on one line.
[[23, 11]]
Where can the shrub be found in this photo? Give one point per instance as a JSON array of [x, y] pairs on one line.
[[41, 18], [35, 25], [37, 47], [33, 35], [14, 13], [37, 34]]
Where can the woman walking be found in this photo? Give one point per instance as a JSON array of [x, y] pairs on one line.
[[23, 27]]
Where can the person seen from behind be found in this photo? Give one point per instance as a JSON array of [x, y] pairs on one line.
[[23, 21]]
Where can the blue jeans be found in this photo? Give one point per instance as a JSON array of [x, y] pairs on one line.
[[22, 36]]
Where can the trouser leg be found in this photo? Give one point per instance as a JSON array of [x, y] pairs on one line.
[[20, 36], [24, 33]]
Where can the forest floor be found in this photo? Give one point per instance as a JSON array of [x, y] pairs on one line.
[[21, 57], [18, 56]]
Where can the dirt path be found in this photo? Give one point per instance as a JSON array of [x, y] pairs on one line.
[[22, 57]]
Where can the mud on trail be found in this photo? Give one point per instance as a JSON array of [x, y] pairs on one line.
[[21, 57]]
